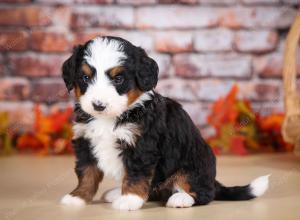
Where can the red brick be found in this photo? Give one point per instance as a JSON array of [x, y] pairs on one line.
[[20, 114], [260, 2], [49, 91], [135, 2], [36, 65], [49, 41], [61, 18], [178, 1], [266, 108], [173, 42], [255, 41], [25, 16], [183, 90], [266, 91], [55, 1], [15, 1], [75, 1], [13, 40], [83, 37], [197, 111], [109, 16], [94, 1], [257, 17], [2, 66], [175, 16], [271, 65], [138, 38], [227, 65], [293, 2], [211, 90], [218, 2], [214, 40], [164, 63], [14, 89]]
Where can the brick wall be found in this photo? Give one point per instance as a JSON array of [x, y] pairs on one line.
[[202, 48]]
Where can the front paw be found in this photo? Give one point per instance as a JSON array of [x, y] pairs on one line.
[[72, 201], [112, 195], [128, 202]]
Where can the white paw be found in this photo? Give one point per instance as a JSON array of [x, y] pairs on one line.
[[112, 195], [128, 202], [180, 200], [72, 200]]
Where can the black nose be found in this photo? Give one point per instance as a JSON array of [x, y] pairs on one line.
[[98, 106]]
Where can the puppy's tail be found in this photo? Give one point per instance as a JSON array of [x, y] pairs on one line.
[[256, 188]]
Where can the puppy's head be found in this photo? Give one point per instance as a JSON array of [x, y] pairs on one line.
[[109, 74]]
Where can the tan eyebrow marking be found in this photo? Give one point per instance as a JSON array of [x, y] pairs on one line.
[[116, 70], [86, 70]]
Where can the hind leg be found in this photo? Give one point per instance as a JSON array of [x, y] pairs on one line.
[[190, 189], [180, 200], [161, 195]]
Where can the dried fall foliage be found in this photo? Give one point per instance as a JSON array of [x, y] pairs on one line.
[[51, 134], [239, 130]]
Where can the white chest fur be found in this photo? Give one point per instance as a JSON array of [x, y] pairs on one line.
[[103, 138]]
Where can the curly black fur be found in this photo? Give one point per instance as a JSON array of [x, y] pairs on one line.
[[169, 145], [170, 142]]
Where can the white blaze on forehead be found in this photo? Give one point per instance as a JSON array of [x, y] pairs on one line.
[[104, 54]]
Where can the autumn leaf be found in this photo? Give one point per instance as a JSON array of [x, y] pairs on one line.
[[240, 130], [29, 142], [5, 135], [238, 145], [224, 110], [51, 135]]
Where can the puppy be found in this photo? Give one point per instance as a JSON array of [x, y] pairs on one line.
[[126, 130]]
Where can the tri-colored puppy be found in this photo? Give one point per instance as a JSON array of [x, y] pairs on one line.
[[125, 130]]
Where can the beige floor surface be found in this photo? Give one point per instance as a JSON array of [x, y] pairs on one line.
[[30, 188]]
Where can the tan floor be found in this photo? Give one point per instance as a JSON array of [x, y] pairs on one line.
[[30, 188]]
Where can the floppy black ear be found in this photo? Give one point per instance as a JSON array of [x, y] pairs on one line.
[[146, 72], [69, 68]]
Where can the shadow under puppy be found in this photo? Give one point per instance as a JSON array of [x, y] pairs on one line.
[[124, 129]]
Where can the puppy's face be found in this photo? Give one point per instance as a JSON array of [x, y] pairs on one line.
[[108, 75]]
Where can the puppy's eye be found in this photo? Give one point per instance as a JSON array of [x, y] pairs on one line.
[[119, 79], [85, 78]]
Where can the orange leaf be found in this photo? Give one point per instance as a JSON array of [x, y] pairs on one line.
[[238, 145], [224, 109], [30, 142]]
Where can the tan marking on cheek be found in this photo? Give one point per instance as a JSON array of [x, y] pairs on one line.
[[116, 70], [133, 95], [77, 91], [87, 70]]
